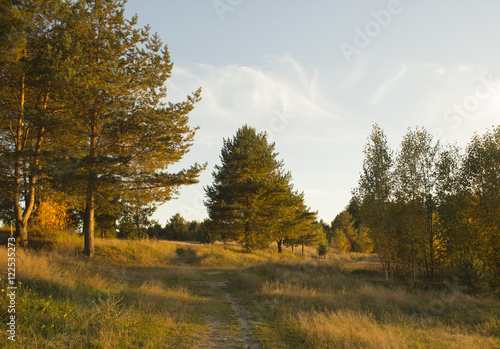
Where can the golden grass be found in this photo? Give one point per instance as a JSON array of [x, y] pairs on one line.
[[66, 300], [344, 302], [354, 329], [153, 294]]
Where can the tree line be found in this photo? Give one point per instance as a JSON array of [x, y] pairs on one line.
[[175, 229], [432, 210]]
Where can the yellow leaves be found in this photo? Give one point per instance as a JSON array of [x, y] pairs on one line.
[[52, 213]]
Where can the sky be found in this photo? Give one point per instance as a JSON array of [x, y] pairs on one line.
[[316, 75]]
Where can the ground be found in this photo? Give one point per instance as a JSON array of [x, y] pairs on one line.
[[156, 294]]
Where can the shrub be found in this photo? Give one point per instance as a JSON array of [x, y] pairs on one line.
[[322, 249], [474, 274]]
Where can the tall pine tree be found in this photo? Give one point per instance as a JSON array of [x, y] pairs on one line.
[[120, 132], [28, 31], [250, 190]]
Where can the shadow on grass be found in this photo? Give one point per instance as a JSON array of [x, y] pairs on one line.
[[187, 256]]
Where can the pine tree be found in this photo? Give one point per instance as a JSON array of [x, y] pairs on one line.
[[358, 239], [120, 133], [28, 112], [311, 233], [290, 222], [249, 191], [177, 228]]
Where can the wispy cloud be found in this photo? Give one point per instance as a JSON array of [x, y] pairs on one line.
[[236, 93], [386, 85]]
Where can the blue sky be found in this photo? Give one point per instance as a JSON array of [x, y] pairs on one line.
[[316, 75]]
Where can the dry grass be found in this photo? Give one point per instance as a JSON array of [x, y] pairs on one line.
[[355, 329], [66, 300], [343, 302], [152, 294]]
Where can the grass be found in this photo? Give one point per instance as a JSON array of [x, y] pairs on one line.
[[157, 294], [331, 303]]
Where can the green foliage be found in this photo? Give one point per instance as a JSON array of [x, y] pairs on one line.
[[83, 103], [177, 228], [340, 241], [28, 70], [252, 200], [322, 249], [358, 239], [125, 134], [375, 191], [474, 274], [361, 241], [481, 198], [127, 229], [105, 226], [207, 233], [154, 231], [311, 235], [442, 218]]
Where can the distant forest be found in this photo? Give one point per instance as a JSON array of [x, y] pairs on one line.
[[86, 141]]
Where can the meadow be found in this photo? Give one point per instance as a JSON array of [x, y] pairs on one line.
[[159, 294]]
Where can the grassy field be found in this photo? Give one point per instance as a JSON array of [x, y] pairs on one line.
[[157, 294]]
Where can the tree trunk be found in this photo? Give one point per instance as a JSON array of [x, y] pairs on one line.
[[385, 264], [247, 237], [88, 218], [431, 246], [292, 248], [21, 215], [280, 243], [137, 225], [452, 266], [414, 269], [88, 223], [426, 263], [302, 248], [21, 234]]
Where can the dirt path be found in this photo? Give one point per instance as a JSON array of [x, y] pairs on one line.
[[229, 322]]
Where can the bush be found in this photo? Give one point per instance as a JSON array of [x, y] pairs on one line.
[[322, 249], [340, 241], [474, 274]]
